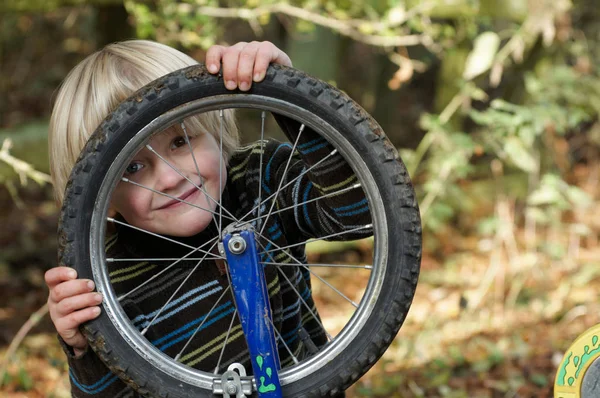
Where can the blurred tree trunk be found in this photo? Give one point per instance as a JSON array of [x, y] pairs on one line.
[[27, 33], [50, 5], [113, 24], [315, 53], [450, 73], [399, 111]]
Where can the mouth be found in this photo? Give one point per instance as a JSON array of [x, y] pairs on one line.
[[188, 195]]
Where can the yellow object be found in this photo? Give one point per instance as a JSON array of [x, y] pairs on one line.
[[575, 364]]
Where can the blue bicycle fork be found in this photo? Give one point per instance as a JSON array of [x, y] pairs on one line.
[[252, 301]]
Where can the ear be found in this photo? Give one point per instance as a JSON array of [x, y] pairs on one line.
[[112, 213]]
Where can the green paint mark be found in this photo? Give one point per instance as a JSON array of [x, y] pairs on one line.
[[588, 354], [267, 388], [578, 362], [563, 371]]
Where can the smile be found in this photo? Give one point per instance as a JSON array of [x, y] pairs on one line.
[[187, 196]]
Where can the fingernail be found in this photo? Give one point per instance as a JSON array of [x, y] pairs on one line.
[[230, 84], [98, 297], [244, 86], [72, 274], [212, 68], [96, 310], [258, 76], [90, 285]]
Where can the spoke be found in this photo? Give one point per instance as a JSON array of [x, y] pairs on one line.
[[225, 343], [322, 265], [202, 323], [282, 177], [290, 183], [299, 296], [171, 166], [262, 150], [175, 293], [221, 171], [206, 195], [181, 174], [341, 191], [110, 219], [332, 287], [320, 238], [170, 196], [316, 318], [311, 272], [117, 260], [165, 270], [280, 338]]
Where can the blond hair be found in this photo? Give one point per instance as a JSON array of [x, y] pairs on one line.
[[99, 83]]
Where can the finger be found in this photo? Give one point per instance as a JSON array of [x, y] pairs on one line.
[[56, 275], [268, 53], [213, 58], [230, 65], [70, 288], [72, 304], [68, 327], [77, 341], [246, 65]]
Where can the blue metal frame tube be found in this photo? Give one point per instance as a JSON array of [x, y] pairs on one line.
[[252, 300]]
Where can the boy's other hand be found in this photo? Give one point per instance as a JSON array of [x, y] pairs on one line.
[[71, 302], [244, 62]]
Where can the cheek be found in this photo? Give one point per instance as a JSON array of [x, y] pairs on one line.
[[219, 170], [208, 161], [132, 204]]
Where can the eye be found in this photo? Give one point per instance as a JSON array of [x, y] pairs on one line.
[[133, 168], [178, 142]]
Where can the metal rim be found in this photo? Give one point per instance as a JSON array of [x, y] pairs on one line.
[[112, 307]]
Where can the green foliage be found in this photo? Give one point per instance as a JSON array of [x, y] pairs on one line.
[[30, 144], [200, 23], [521, 137], [477, 42], [22, 379], [175, 23], [540, 379]]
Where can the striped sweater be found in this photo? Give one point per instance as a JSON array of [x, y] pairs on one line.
[[207, 286]]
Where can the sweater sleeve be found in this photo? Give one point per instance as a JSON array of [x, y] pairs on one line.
[[321, 190], [89, 377]]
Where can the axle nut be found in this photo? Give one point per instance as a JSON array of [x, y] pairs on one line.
[[237, 244]]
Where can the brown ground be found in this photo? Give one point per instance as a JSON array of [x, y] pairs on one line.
[[459, 340]]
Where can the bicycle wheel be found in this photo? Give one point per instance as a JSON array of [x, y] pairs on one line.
[[374, 298]]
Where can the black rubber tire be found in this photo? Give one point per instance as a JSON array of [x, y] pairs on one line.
[[331, 105]]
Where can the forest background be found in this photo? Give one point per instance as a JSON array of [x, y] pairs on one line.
[[493, 105]]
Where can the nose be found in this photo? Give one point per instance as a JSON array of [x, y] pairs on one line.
[[166, 178]]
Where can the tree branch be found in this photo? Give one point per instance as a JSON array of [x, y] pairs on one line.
[[351, 28], [23, 169], [33, 320]]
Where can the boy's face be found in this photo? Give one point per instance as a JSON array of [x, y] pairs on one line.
[[161, 214]]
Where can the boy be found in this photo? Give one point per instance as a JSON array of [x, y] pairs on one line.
[[169, 308]]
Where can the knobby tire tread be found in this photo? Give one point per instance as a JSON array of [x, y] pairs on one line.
[[327, 99]]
